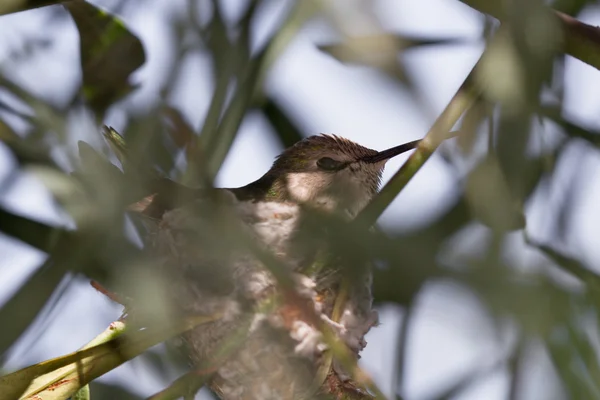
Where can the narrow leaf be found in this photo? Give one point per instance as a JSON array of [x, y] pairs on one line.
[[109, 54], [61, 377]]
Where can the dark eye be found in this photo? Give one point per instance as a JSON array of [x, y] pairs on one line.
[[329, 164]]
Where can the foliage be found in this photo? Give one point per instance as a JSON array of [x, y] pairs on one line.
[[499, 102]]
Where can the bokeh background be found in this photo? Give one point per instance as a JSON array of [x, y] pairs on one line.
[[491, 329]]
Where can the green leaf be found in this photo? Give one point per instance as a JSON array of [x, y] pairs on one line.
[[368, 49], [117, 144], [82, 394], [25, 305], [286, 129], [61, 377], [109, 54], [13, 6], [217, 144], [570, 128], [35, 234], [490, 198], [568, 264]]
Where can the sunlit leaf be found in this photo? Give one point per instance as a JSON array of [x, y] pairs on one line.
[[61, 377], [82, 394], [117, 144]]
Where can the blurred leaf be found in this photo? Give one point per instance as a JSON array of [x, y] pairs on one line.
[[74, 251], [61, 377], [82, 394], [471, 122], [490, 197], [35, 234], [570, 128], [467, 94], [571, 370], [25, 151], [44, 115], [569, 264], [178, 128], [381, 49], [533, 300], [579, 40], [401, 281], [286, 129], [571, 7], [249, 87], [466, 381], [106, 391], [24, 306], [99, 173], [109, 54], [117, 145], [12, 6]]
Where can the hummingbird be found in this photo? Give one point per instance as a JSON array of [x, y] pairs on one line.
[[208, 271]]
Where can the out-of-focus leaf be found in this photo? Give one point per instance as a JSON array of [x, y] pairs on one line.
[[82, 394], [36, 234], [100, 172], [471, 123], [106, 391], [23, 307], [12, 6], [585, 351], [57, 379], [490, 197], [400, 281], [574, 376], [248, 88], [535, 301], [191, 382], [179, 129], [68, 251], [109, 54], [571, 7], [569, 264], [24, 151], [381, 49], [570, 128], [466, 381], [61, 377], [117, 145], [44, 116], [285, 128]]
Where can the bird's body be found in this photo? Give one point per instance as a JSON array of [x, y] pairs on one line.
[[203, 248]]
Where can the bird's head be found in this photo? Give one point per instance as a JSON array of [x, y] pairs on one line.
[[328, 172]]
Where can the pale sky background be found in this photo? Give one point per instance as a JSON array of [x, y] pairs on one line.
[[451, 334]]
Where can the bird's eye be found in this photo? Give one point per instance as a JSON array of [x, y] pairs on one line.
[[329, 164]]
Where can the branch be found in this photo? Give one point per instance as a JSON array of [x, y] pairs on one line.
[[466, 95], [580, 40]]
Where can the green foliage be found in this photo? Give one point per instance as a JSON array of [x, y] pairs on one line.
[[110, 170]]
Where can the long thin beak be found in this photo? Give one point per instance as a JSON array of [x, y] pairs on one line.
[[389, 153]]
